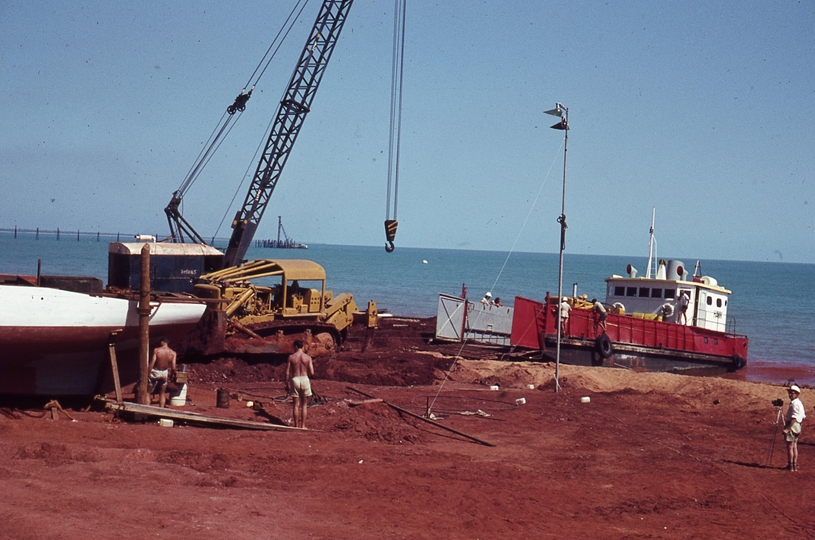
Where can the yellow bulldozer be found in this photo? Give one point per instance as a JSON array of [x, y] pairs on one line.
[[263, 306]]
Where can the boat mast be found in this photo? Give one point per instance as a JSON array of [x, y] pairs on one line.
[[651, 247]]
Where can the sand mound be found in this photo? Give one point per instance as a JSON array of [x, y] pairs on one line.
[[607, 380]]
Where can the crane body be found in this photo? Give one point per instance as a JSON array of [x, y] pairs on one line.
[[247, 318]]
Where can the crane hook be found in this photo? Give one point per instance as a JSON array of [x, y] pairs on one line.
[[390, 234]]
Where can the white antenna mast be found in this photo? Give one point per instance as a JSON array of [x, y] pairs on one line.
[[651, 246]]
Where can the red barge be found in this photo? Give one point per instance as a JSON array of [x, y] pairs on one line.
[[644, 328]]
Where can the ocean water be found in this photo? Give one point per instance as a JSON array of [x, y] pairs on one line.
[[771, 302]]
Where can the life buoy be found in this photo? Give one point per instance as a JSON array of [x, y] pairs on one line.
[[604, 346], [619, 308], [666, 310]]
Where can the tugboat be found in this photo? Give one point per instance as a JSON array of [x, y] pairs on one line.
[[662, 322]]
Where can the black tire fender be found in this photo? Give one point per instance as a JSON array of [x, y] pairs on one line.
[[604, 346]]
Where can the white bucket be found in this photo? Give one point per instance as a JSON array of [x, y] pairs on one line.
[[530, 386], [520, 401], [181, 399], [494, 387], [585, 399], [165, 422]]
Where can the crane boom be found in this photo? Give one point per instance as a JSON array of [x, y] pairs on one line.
[[291, 113]]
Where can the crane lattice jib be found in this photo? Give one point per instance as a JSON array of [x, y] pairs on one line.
[[290, 115]]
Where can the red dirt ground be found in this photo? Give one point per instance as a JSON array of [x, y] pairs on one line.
[[650, 456]]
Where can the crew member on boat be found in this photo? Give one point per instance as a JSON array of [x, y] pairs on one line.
[[565, 308], [601, 312], [684, 299]]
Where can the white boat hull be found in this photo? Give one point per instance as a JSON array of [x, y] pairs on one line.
[[56, 343]]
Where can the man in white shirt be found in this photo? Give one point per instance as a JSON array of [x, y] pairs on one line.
[[684, 299], [565, 308], [792, 426]]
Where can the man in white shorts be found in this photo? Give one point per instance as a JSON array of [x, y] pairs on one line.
[[298, 369], [792, 426], [162, 366]]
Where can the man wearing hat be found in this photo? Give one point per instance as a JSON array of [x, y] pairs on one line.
[[792, 426]]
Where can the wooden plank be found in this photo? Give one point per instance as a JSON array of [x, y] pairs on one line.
[[197, 418]]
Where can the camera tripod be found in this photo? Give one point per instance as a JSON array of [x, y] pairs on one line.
[[775, 432]]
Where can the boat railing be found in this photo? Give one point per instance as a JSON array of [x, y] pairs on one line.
[[730, 327]]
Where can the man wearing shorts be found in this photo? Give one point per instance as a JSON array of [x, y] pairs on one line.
[[565, 308], [298, 369], [161, 367], [792, 426]]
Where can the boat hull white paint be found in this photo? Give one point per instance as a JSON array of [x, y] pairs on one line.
[[56, 343]]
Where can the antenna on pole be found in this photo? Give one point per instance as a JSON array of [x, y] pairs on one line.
[[651, 255]]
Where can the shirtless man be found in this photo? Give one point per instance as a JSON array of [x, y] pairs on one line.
[[161, 366], [298, 370]]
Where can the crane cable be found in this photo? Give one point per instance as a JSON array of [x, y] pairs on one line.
[[395, 137], [464, 340], [259, 148], [225, 123]]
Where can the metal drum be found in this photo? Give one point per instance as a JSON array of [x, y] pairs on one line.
[[222, 400]]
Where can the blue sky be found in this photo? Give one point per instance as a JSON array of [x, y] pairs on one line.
[[703, 110]]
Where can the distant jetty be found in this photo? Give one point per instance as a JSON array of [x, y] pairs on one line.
[[59, 234], [79, 235], [284, 243], [288, 243]]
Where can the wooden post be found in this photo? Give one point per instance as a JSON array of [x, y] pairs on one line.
[[144, 326], [114, 366]]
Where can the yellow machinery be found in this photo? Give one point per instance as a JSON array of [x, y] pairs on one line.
[[263, 306]]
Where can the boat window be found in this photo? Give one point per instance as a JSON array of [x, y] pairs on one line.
[[631, 291], [619, 291], [645, 292], [718, 302], [670, 293], [656, 293], [709, 301]]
